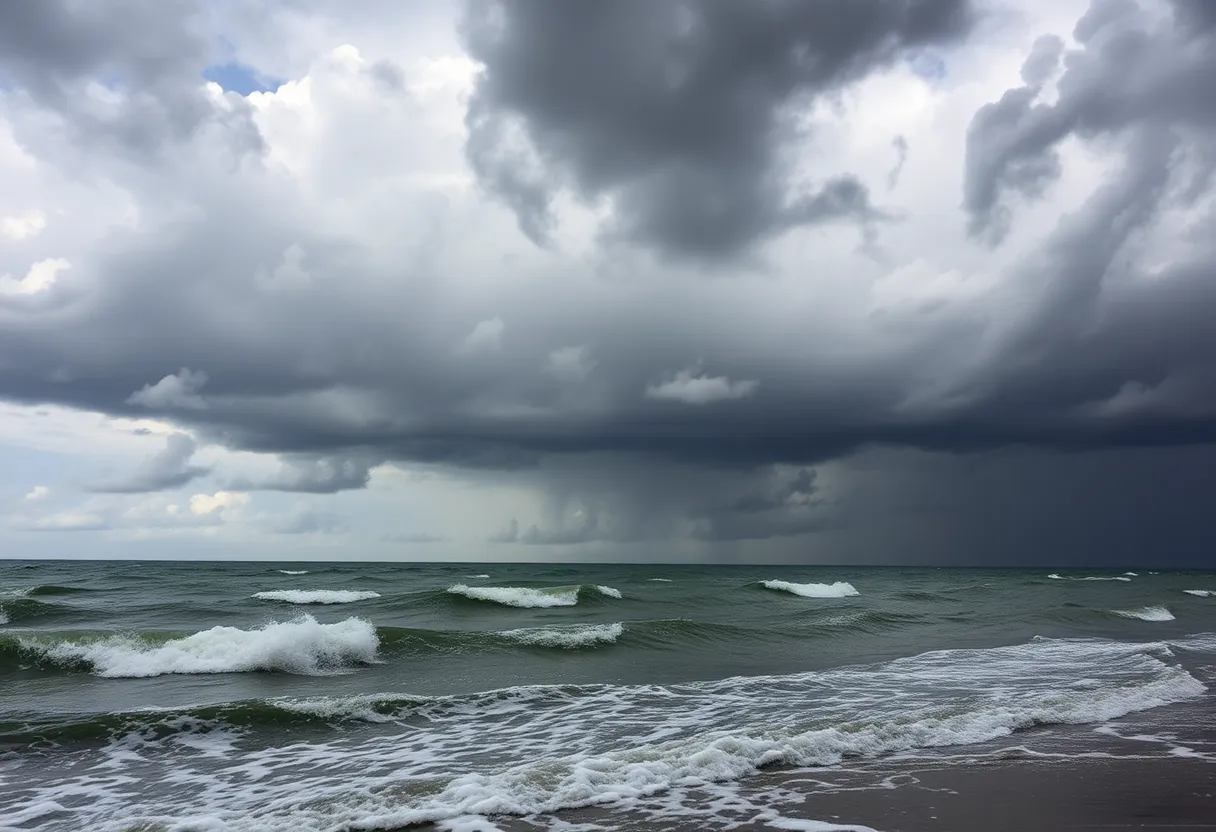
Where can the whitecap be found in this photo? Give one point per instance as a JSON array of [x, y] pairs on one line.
[[660, 580], [316, 596], [1157, 613], [294, 571], [840, 589], [1202, 593], [520, 596], [570, 638], [608, 591], [302, 646]]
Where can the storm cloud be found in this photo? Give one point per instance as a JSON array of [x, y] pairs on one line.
[[608, 253], [678, 113]]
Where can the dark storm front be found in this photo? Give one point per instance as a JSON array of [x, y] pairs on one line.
[[263, 696]]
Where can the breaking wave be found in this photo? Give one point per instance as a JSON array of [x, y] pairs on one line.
[[302, 646], [316, 596], [1157, 613], [532, 597], [572, 637], [527, 750], [840, 589], [1202, 593], [294, 571]]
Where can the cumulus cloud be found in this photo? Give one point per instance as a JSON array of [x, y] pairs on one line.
[[179, 390], [38, 492], [700, 389], [40, 277], [170, 468]]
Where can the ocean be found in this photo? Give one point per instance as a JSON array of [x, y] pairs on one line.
[[359, 696]]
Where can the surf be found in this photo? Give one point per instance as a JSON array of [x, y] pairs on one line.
[[839, 589], [532, 597], [302, 646]]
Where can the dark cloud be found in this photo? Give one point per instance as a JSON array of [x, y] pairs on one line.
[[678, 113], [312, 475], [170, 468]]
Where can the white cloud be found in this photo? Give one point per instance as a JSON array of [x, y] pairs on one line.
[[24, 225], [485, 337], [38, 492], [178, 390], [701, 390], [219, 501], [40, 277]]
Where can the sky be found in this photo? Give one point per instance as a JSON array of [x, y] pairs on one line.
[[842, 281]]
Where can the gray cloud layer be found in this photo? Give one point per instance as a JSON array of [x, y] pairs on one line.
[[1080, 350]]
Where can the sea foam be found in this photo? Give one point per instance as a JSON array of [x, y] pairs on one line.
[[1202, 593], [316, 596], [302, 646], [294, 571], [529, 751], [1157, 613], [840, 589]]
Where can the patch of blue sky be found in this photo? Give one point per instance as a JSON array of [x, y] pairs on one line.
[[239, 78]]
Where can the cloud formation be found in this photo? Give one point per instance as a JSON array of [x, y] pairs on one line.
[[168, 469], [677, 113], [330, 275]]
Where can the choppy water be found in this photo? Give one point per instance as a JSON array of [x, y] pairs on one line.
[[372, 696]]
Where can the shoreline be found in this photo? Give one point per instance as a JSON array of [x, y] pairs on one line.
[[1166, 794]]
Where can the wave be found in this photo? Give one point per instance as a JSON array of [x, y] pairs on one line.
[[660, 580], [294, 571], [302, 646], [1202, 593], [43, 590], [532, 597], [479, 577], [1056, 577], [19, 609], [573, 637], [840, 589], [527, 750], [316, 596], [1157, 613], [869, 622]]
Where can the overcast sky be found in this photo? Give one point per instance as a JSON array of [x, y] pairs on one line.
[[874, 281]]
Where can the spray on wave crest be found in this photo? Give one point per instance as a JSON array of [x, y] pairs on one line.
[[302, 646], [840, 589]]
